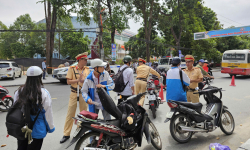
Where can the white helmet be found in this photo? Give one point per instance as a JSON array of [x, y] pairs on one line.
[[34, 71], [97, 63]]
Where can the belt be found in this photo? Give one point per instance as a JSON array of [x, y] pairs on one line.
[[191, 90], [74, 90], [142, 79]]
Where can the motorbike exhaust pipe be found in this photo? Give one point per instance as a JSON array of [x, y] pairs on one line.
[[184, 128]]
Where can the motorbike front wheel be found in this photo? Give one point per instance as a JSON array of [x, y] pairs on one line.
[[155, 136], [177, 133], [227, 123], [6, 104], [90, 140]]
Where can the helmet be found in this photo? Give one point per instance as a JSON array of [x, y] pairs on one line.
[[201, 60], [127, 59], [97, 63], [34, 71], [176, 61], [156, 64]]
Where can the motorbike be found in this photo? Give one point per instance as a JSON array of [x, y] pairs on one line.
[[6, 100], [154, 100], [186, 118], [109, 134]]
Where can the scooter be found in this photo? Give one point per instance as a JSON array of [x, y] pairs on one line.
[[92, 133], [186, 118], [6, 100], [154, 100]]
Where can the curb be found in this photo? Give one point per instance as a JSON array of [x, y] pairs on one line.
[[23, 84], [245, 146]]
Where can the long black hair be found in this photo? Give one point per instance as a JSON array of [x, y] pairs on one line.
[[30, 93]]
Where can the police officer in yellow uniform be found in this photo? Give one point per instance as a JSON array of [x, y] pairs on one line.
[[195, 75], [141, 79], [75, 77]]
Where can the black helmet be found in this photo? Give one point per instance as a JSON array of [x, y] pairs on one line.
[[176, 61], [127, 59], [156, 64]]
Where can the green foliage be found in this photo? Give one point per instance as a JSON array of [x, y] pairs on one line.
[[74, 43]]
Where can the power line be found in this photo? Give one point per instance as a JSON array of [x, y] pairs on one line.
[[230, 19]]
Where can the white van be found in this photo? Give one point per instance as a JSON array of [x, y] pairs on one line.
[[9, 69], [167, 62]]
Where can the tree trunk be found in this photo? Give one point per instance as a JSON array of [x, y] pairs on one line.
[[48, 22], [111, 20]]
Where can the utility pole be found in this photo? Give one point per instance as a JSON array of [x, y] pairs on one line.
[[101, 52]]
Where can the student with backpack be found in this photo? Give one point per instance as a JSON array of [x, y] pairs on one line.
[[124, 80], [31, 118]]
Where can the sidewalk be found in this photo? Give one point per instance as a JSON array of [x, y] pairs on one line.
[[245, 146], [21, 81]]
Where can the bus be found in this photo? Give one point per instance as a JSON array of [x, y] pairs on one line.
[[236, 62]]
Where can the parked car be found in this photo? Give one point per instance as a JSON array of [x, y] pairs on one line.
[[61, 73], [167, 62], [9, 69]]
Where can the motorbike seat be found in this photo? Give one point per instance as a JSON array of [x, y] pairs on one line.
[[191, 105]]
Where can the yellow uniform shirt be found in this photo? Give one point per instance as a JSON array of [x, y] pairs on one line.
[[78, 71], [193, 74], [144, 70]]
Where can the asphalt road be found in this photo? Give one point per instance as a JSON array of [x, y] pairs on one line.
[[237, 99]]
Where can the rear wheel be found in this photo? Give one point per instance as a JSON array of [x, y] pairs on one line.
[[231, 75], [90, 140], [6, 104], [177, 133], [227, 124], [155, 136], [153, 109]]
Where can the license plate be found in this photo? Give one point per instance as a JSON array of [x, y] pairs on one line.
[[76, 132], [169, 114], [90, 148], [151, 97]]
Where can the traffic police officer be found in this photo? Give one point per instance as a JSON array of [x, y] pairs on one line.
[[195, 76], [75, 77], [141, 79]]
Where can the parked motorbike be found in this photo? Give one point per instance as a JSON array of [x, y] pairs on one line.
[[154, 100], [186, 118], [6, 100], [110, 135]]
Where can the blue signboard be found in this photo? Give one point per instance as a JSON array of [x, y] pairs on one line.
[[180, 53], [222, 33], [113, 47]]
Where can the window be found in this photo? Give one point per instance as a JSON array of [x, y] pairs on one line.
[[4, 65], [248, 61], [164, 61], [234, 56]]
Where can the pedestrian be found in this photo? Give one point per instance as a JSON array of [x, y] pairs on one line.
[[44, 67], [195, 76], [141, 79], [38, 99], [75, 77], [66, 64], [96, 79], [136, 65], [177, 79], [200, 65], [155, 65], [150, 64], [128, 77]]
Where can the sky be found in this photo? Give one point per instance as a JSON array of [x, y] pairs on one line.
[[229, 12]]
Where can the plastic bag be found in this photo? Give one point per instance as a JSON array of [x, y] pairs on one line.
[[217, 146]]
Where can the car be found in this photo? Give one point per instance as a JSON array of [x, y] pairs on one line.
[[61, 73], [167, 62], [9, 69]]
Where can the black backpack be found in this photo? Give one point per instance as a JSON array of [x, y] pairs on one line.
[[119, 82], [18, 116]]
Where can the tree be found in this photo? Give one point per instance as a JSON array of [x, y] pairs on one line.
[[55, 8], [74, 43], [148, 10]]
